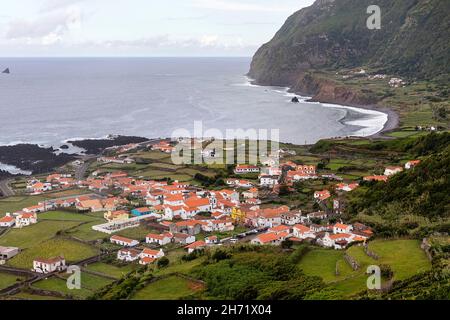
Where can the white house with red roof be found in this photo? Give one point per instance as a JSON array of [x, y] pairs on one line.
[[7, 221], [122, 241], [37, 187], [337, 241], [183, 238], [411, 164], [220, 225], [161, 239], [212, 240], [347, 187], [128, 254], [197, 245], [302, 232], [322, 195], [281, 229], [24, 219], [390, 171], [342, 228], [49, 265], [271, 238], [150, 253]]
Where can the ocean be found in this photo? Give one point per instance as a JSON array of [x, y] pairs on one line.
[[47, 101]]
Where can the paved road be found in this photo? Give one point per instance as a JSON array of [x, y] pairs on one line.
[[80, 171], [5, 189]]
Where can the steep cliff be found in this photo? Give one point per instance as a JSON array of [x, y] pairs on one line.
[[331, 35]]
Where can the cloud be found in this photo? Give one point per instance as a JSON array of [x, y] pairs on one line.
[[46, 28], [50, 5], [226, 5], [174, 44]]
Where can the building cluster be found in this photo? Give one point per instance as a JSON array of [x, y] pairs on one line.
[[337, 236], [392, 170]]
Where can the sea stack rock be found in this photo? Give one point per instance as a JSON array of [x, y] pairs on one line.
[[295, 100], [6, 71]]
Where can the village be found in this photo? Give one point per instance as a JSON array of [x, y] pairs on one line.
[[179, 214]]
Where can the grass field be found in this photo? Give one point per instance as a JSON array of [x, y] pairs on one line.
[[85, 232], [29, 296], [30, 236], [71, 250], [171, 288], [91, 282], [7, 280], [322, 263], [66, 216], [405, 257], [59, 285], [111, 270], [16, 203]]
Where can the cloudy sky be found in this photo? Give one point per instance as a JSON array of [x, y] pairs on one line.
[[140, 27]]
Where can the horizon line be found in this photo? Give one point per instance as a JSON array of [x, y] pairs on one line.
[[120, 57]]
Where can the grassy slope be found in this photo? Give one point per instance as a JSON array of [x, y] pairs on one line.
[[404, 256], [171, 288]]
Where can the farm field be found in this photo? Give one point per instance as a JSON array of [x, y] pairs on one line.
[[171, 288], [71, 250], [7, 279], [91, 282], [405, 257], [59, 285], [66, 216], [111, 270], [34, 234], [29, 296]]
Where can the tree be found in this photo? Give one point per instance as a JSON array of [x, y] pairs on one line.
[[163, 262], [287, 244]]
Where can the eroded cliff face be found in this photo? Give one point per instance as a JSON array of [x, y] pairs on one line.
[[328, 91], [332, 35]]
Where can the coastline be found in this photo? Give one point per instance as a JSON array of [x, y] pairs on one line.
[[392, 122]]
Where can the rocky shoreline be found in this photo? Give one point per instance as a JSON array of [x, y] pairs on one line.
[[38, 159], [96, 146]]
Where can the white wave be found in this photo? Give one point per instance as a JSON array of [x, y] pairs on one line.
[[13, 169]]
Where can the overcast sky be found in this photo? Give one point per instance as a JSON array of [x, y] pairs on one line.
[[140, 27]]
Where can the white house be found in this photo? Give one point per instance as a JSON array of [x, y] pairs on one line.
[[161, 239], [291, 218], [303, 232], [25, 219], [197, 245], [8, 252], [269, 220], [153, 254], [411, 164], [271, 238], [268, 181], [122, 241], [128, 254], [241, 169], [49, 265], [337, 241], [183, 238], [390, 171], [211, 240], [342, 228], [7, 221], [218, 225]]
